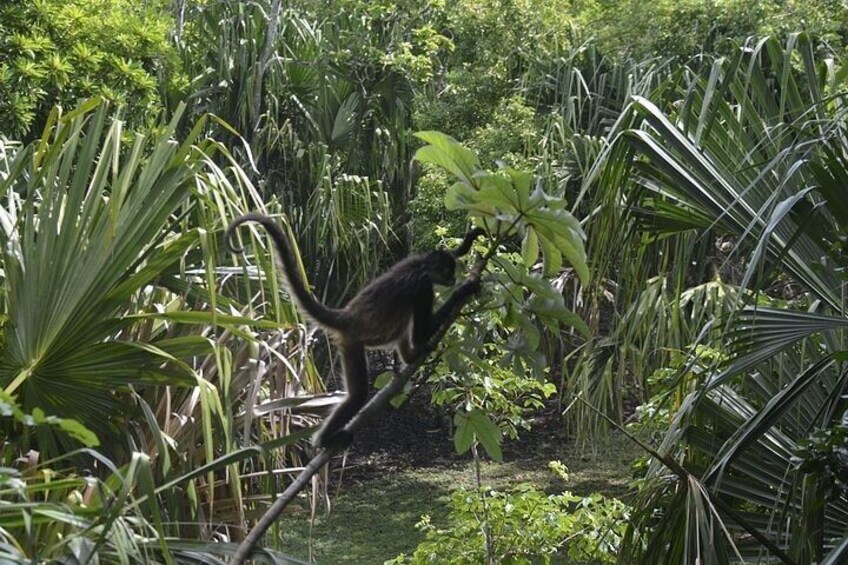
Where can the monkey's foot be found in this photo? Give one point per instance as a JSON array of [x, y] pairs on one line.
[[338, 441]]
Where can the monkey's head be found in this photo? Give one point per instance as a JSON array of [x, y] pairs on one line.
[[441, 267]]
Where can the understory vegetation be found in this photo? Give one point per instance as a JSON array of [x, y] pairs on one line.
[[663, 191]]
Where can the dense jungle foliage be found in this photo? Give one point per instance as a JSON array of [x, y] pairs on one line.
[[663, 187]]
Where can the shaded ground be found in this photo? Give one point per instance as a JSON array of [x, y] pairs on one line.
[[405, 467], [410, 438]]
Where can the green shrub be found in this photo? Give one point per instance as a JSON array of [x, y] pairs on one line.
[[60, 51], [525, 526], [683, 28]]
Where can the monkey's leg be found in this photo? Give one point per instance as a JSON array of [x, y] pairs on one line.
[[331, 434], [408, 353], [411, 344]]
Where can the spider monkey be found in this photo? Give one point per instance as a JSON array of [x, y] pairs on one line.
[[395, 310]]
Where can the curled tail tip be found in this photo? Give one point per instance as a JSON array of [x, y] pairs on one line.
[[229, 235], [229, 238]]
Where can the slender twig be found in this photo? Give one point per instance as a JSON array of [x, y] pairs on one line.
[[486, 526], [460, 297]]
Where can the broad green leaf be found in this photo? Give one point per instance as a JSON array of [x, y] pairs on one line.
[[78, 431], [573, 250], [551, 307], [569, 318], [383, 379], [530, 248], [460, 196], [447, 153], [487, 433], [463, 436], [551, 257], [498, 192], [521, 181], [399, 399], [557, 238]]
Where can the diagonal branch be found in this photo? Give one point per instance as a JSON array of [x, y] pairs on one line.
[[450, 311]]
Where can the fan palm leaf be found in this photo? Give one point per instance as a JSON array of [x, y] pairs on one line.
[[87, 221]]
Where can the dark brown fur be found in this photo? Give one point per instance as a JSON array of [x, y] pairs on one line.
[[394, 310]]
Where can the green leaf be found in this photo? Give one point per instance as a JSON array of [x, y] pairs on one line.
[[560, 234], [521, 181], [499, 192], [398, 399], [488, 433], [530, 248], [463, 437], [447, 153], [461, 196], [551, 257], [78, 431], [383, 379]]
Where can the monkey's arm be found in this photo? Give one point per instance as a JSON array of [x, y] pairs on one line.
[[426, 323], [465, 246], [458, 298], [423, 325]]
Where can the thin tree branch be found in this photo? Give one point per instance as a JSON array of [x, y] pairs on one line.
[[452, 309]]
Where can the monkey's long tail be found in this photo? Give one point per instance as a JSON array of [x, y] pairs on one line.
[[328, 317]]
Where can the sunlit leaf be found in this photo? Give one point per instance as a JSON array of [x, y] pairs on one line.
[[447, 153], [530, 248], [487, 433]]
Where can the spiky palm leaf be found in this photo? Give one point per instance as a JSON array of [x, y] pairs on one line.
[[86, 221], [746, 153]]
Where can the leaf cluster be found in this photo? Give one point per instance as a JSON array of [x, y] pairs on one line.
[[57, 52], [506, 203], [9, 408], [485, 385], [824, 454], [526, 526]]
